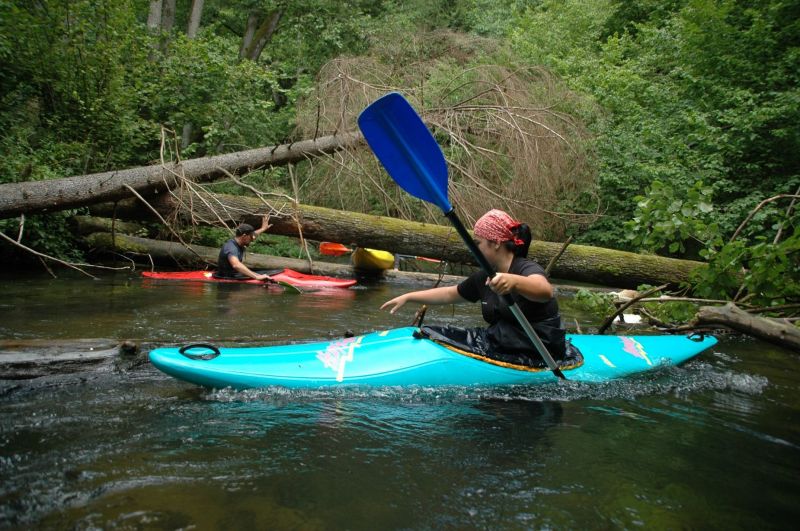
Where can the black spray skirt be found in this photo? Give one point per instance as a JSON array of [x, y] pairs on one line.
[[509, 344]]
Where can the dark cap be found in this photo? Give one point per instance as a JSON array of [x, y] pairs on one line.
[[244, 228]]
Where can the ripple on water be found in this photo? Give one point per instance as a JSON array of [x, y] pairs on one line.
[[696, 376]]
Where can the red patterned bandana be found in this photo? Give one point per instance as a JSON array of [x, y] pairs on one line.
[[496, 226]]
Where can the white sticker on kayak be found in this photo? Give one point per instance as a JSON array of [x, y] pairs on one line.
[[338, 353], [607, 362]]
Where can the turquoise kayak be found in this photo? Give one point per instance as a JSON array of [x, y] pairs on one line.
[[397, 358]]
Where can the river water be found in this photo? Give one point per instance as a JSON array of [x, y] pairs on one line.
[[713, 444]]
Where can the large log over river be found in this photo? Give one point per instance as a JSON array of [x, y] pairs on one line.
[[32, 197]]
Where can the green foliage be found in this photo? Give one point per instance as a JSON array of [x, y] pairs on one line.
[[675, 92], [85, 88], [666, 218], [595, 302], [47, 233], [64, 89], [671, 312], [283, 246], [266, 243], [763, 273], [479, 17], [693, 89], [230, 103]]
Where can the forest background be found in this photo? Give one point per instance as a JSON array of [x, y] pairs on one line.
[[661, 126]]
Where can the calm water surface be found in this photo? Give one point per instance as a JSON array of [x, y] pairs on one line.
[[713, 444]]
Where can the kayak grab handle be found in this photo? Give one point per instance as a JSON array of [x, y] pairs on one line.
[[205, 357]]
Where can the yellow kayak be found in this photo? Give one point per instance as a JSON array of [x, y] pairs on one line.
[[372, 259]]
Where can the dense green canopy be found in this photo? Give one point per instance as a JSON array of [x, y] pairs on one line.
[[695, 102]]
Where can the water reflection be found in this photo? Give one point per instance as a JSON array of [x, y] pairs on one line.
[[715, 440]]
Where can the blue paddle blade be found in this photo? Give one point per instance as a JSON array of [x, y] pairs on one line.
[[406, 148]]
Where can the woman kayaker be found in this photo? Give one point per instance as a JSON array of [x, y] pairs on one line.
[[230, 263], [504, 242]]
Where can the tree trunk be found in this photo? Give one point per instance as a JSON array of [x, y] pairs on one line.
[[83, 225], [168, 16], [264, 35], [200, 257], [579, 262], [249, 33], [194, 18], [186, 135], [34, 358], [191, 32], [770, 330], [71, 192], [257, 35], [154, 16]]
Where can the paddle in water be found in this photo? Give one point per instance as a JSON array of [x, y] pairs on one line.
[[411, 156], [282, 283]]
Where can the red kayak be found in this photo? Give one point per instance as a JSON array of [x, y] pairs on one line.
[[295, 278]]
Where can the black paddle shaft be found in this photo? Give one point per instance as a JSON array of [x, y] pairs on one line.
[[507, 298]]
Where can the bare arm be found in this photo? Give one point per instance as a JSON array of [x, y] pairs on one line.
[[534, 287], [443, 295], [243, 269]]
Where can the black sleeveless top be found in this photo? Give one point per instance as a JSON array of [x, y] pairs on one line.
[[504, 333]]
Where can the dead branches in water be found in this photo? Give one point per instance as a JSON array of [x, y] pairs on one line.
[[715, 314]]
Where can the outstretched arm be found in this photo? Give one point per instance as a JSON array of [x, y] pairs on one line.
[[443, 295]]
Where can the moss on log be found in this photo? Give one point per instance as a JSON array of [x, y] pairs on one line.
[[83, 225], [578, 263]]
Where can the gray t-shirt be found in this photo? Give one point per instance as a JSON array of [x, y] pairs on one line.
[[230, 248]]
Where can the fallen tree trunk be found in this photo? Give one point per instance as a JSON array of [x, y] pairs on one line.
[[770, 330], [578, 263], [25, 359], [83, 225], [60, 194]]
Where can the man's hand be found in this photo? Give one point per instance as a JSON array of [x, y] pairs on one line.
[[265, 224]]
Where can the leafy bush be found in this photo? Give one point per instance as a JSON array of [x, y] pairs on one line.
[[48, 234], [666, 218], [694, 90], [763, 273], [595, 302]]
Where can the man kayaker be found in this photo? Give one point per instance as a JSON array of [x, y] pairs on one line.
[[230, 263], [504, 242]]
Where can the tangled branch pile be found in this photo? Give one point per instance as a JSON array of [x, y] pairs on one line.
[[509, 134]]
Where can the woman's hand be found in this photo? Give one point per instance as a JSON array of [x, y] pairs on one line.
[[533, 287], [396, 303], [502, 283], [441, 295]]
